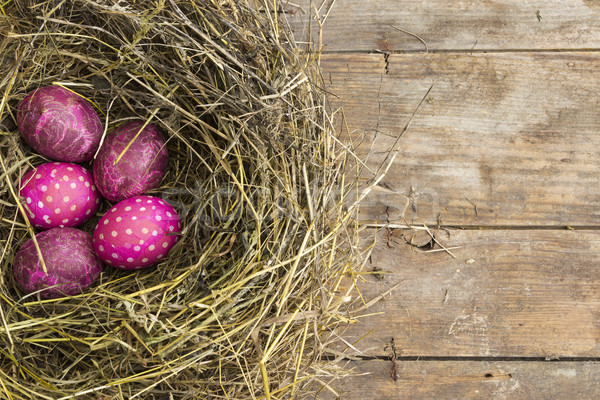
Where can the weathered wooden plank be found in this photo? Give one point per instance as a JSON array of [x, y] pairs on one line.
[[355, 25], [468, 380], [505, 294], [501, 139]]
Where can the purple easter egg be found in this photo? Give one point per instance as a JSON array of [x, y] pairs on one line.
[[59, 194], [141, 166], [59, 124], [71, 263], [137, 232]]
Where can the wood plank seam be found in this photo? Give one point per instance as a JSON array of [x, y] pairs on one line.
[[548, 359], [461, 51], [485, 227]]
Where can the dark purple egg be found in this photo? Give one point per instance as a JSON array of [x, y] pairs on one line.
[[59, 194], [137, 232], [71, 263], [59, 124], [141, 166]]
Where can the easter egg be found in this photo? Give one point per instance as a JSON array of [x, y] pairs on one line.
[[59, 194], [59, 124], [71, 263], [137, 232], [130, 162]]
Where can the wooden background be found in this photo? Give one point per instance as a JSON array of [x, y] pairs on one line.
[[502, 159]]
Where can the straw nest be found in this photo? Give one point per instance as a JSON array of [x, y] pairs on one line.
[[244, 303]]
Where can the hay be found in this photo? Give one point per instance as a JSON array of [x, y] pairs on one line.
[[243, 306]]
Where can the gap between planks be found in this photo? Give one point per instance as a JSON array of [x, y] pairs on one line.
[[487, 227], [463, 359], [461, 51]]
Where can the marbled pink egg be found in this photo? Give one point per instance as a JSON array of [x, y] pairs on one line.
[[59, 124], [137, 232], [71, 263], [59, 194], [141, 167]]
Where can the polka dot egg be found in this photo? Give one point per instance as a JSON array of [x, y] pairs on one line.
[[137, 232], [59, 194]]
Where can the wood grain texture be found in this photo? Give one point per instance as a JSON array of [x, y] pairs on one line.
[[505, 294], [507, 137], [468, 380], [501, 139], [355, 25]]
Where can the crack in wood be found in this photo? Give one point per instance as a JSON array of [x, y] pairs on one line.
[[394, 373], [386, 58]]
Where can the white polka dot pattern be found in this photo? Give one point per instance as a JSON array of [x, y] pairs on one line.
[[47, 191], [137, 232]]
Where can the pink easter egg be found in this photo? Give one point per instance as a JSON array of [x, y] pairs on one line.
[[71, 263], [59, 124], [141, 166], [59, 194], [137, 232]]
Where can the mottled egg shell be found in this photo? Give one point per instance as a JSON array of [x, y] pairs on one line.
[[137, 232], [59, 124], [59, 194], [71, 263], [141, 166]]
